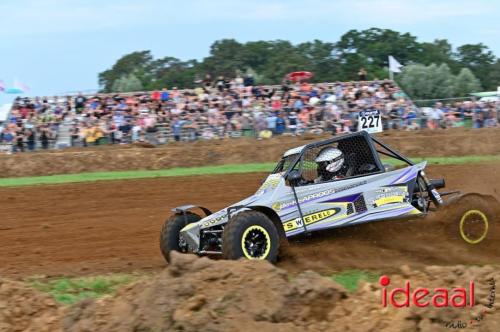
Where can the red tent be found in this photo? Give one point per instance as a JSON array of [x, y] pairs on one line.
[[298, 76]]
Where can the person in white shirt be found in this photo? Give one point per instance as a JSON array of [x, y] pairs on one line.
[[436, 115]]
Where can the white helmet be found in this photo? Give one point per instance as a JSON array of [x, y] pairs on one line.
[[330, 159]]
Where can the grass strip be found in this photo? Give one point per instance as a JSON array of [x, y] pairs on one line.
[[205, 170], [350, 279], [71, 290]]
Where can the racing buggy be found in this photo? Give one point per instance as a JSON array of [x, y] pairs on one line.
[[333, 183]]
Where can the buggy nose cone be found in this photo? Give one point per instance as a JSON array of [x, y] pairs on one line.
[[191, 234]]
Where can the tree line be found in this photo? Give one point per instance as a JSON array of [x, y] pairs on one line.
[[432, 69]]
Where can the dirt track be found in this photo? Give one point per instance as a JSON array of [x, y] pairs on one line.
[[113, 226]]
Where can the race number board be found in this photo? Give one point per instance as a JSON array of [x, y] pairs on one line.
[[370, 121]]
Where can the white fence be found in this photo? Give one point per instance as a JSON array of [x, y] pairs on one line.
[[5, 148]]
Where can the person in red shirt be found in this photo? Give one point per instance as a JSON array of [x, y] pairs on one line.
[[156, 95]]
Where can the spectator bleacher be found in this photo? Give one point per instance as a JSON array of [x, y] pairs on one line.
[[227, 108]]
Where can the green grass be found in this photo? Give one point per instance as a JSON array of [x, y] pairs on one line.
[[203, 170], [72, 290], [446, 160], [350, 278], [138, 174]]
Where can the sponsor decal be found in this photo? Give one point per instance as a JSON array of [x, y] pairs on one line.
[[390, 195], [388, 200], [270, 183], [437, 195], [276, 207], [305, 199], [310, 219]]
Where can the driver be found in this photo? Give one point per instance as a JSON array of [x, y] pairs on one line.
[[330, 161]]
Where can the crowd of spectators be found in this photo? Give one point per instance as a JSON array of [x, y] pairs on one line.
[[228, 108], [31, 125]]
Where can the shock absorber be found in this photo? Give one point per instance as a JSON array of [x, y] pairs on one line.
[[433, 193]]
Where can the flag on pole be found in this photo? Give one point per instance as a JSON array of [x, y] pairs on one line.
[[394, 65], [24, 87]]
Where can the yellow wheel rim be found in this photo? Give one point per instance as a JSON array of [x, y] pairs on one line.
[[252, 231], [483, 219]]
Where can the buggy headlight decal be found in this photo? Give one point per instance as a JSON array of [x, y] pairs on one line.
[[388, 200], [389, 195], [310, 219]]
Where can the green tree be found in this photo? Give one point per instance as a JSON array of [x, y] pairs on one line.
[[226, 58], [494, 76], [340, 61], [480, 60], [285, 58], [170, 71], [435, 82], [374, 46], [414, 80], [136, 63], [466, 83], [442, 81], [439, 51], [127, 83]]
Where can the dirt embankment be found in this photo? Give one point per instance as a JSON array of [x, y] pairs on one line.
[[453, 142], [195, 294]]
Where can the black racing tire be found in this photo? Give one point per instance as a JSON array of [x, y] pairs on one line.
[[169, 236], [250, 235]]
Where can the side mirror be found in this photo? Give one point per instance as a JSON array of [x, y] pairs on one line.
[[294, 177]]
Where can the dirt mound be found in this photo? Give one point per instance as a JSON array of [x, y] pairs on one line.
[[24, 309], [363, 311], [204, 295], [195, 294], [452, 142]]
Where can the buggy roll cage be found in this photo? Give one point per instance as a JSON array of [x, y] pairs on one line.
[[371, 141]]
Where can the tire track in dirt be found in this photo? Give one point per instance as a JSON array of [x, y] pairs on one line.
[[113, 226]]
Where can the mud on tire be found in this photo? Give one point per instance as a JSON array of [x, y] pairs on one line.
[[251, 235], [169, 236]]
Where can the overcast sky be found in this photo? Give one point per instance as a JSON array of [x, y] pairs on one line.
[[56, 46]]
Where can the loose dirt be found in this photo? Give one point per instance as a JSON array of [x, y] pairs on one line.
[[113, 226], [195, 294]]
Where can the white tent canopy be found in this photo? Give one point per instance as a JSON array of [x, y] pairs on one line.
[[4, 112]]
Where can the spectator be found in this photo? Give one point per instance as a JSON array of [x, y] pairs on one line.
[[228, 107], [30, 139], [271, 122], [176, 128], [436, 116], [164, 95], [362, 74], [80, 103], [45, 136]]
